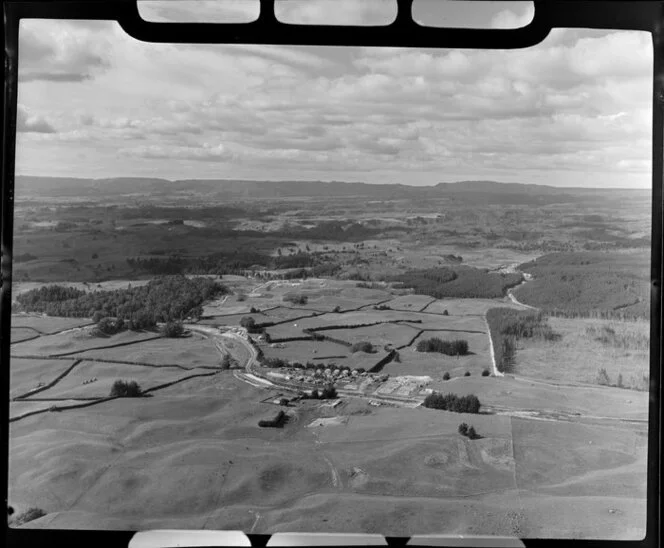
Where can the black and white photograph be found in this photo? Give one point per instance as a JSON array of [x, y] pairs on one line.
[[331, 289]]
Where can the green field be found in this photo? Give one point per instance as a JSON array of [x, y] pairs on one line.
[[47, 324], [106, 374], [189, 352], [76, 341], [27, 374]]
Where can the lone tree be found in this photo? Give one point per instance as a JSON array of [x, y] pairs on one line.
[[248, 322], [463, 429], [485, 373], [126, 389], [227, 362], [446, 376], [472, 434]]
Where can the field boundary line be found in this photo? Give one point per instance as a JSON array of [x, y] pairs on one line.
[[166, 385], [25, 340], [50, 384], [119, 362], [212, 316], [64, 408], [433, 300], [417, 335], [116, 345]]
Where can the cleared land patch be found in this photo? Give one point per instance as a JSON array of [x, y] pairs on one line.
[[26, 374], [460, 307], [19, 334], [409, 302], [47, 324], [234, 319], [76, 341], [304, 351], [187, 351], [506, 393], [72, 386], [434, 365], [19, 408], [578, 356], [551, 452], [378, 335]]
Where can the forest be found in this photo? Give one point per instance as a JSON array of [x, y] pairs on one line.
[[589, 284], [164, 299], [460, 282]]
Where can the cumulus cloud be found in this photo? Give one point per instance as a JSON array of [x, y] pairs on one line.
[[32, 123], [336, 12], [63, 52], [199, 11], [514, 19], [560, 108], [206, 152]]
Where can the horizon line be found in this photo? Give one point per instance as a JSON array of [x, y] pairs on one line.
[[331, 181]]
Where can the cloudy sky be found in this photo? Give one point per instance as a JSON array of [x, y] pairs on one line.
[[572, 111]]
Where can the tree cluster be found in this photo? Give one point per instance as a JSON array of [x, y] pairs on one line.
[[457, 347], [452, 402], [363, 346], [126, 389], [163, 299], [468, 431], [296, 298]]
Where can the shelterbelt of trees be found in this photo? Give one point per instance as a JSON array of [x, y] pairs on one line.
[[459, 281], [164, 299]]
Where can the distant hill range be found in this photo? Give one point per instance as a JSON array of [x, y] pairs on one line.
[[229, 189]]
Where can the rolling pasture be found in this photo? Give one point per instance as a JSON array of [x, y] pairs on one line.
[[186, 441], [76, 341], [74, 385], [189, 352], [545, 444]]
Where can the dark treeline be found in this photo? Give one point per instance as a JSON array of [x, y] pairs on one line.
[[303, 265], [338, 231], [450, 348], [589, 284], [452, 402], [460, 282], [508, 326], [164, 299]]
